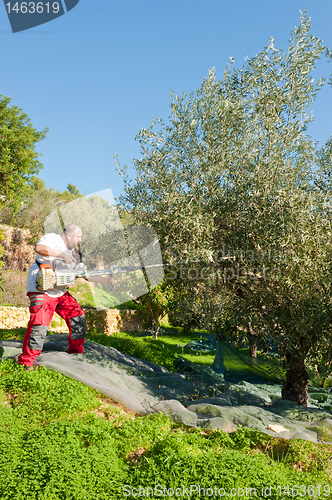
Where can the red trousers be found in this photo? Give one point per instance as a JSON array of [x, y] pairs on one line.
[[42, 308]]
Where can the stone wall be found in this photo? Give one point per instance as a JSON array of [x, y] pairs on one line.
[[19, 252], [106, 321], [18, 317]]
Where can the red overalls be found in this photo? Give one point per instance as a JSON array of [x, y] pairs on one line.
[[42, 308]]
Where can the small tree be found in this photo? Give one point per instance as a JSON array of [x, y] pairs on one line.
[[155, 304], [240, 198]]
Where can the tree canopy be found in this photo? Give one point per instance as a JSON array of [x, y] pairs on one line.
[[18, 157], [240, 197]]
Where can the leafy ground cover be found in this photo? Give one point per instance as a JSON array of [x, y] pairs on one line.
[[62, 440]]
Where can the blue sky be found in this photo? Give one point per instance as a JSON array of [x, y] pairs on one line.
[[98, 74]]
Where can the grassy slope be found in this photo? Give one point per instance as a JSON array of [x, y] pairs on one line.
[[14, 293], [60, 439]]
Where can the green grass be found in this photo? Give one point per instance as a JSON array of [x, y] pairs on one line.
[[43, 394], [223, 460], [174, 345], [59, 440], [62, 440], [139, 347], [12, 334], [162, 351]]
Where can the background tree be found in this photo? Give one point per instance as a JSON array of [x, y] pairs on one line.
[[239, 195], [38, 203], [18, 157]]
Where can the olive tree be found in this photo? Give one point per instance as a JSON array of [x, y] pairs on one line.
[[239, 195]]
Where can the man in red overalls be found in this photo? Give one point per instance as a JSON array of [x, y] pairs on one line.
[[43, 304]]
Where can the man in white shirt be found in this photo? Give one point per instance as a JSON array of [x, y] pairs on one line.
[[43, 304]]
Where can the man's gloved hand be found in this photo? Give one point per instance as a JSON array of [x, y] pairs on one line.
[[78, 256], [67, 257]]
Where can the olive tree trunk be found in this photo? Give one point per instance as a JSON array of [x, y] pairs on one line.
[[252, 339], [295, 387]]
